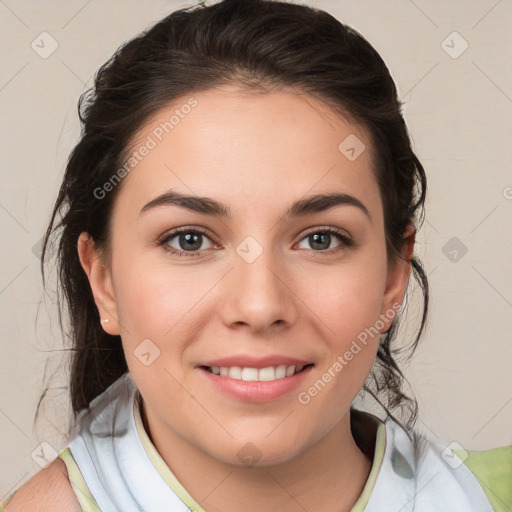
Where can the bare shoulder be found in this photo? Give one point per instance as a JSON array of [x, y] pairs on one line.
[[48, 490]]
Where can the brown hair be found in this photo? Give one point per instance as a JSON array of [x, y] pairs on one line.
[[260, 44]]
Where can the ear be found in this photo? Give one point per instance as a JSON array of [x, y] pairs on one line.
[[398, 276], [100, 280]]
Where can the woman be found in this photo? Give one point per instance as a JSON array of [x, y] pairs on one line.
[[236, 230]]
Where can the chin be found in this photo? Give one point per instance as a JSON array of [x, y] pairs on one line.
[[258, 451]]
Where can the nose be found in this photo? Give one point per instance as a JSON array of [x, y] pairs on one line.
[[259, 294]]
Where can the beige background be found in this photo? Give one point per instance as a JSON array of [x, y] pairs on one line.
[[459, 114]]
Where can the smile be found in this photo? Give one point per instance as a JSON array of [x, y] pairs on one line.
[[268, 374], [249, 384]]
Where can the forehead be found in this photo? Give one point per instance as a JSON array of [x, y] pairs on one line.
[[250, 150]]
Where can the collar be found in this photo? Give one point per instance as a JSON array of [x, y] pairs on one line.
[[124, 471]]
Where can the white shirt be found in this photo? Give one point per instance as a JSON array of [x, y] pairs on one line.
[[414, 474]]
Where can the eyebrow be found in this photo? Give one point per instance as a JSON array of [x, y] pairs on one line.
[[208, 206]]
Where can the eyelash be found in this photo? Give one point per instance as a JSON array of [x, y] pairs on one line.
[[346, 241]]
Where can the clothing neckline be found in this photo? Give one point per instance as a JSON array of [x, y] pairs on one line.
[[368, 430]]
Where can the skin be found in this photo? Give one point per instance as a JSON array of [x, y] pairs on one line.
[[48, 489], [241, 148]]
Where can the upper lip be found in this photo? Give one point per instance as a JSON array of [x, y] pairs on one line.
[[247, 361]]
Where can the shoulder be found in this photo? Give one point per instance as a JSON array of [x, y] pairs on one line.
[[493, 470], [48, 490]]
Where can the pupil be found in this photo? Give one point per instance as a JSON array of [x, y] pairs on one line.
[[317, 239], [194, 239]]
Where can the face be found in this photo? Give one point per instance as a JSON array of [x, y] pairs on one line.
[[251, 287]]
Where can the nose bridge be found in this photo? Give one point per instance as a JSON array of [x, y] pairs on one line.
[[257, 294]]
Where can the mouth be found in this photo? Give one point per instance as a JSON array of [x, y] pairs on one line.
[[249, 374], [250, 384]]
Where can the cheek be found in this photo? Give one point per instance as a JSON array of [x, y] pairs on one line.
[[152, 298], [347, 298], [153, 308], [348, 305]]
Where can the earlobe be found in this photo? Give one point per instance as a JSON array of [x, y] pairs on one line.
[[398, 276], [100, 280]]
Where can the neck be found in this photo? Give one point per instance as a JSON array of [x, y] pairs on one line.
[[329, 475]]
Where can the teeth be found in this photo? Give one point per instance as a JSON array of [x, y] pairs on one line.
[[250, 374], [254, 374], [235, 372], [281, 372], [266, 374]]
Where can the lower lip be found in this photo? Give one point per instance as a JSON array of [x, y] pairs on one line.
[[260, 391]]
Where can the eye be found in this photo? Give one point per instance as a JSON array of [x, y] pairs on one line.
[[320, 239], [185, 241]]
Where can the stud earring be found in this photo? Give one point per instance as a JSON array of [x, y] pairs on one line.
[[105, 320]]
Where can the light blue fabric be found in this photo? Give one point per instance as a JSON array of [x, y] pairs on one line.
[[112, 459], [414, 476], [121, 477]]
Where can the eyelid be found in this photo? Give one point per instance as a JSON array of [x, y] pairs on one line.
[[328, 229], [185, 229]]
